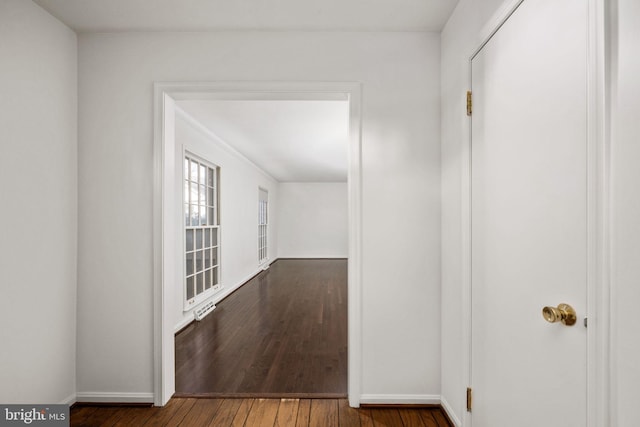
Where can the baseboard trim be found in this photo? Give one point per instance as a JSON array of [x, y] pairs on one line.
[[312, 258], [216, 298], [400, 399], [70, 400], [183, 325], [453, 419], [399, 406], [109, 397]]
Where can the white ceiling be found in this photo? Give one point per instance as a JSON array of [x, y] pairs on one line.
[[207, 15], [293, 141], [303, 141]]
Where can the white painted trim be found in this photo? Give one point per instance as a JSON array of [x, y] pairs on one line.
[[159, 329], [228, 148], [186, 320], [69, 400], [226, 291], [207, 294], [400, 399], [262, 95], [602, 396], [450, 412], [354, 269], [110, 397], [263, 260], [313, 257], [493, 25], [164, 370], [598, 223], [599, 289], [219, 296]]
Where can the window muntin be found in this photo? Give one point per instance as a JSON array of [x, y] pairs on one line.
[[263, 223], [201, 228]]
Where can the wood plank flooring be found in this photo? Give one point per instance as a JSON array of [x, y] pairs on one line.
[[256, 413], [282, 334]]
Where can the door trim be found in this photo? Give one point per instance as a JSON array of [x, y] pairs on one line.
[[164, 95], [599, 400]]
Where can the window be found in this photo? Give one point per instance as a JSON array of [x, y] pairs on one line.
[[263, 217], [202, 250]]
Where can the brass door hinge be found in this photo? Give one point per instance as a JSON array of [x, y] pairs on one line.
[[469, 399], [469, 103]]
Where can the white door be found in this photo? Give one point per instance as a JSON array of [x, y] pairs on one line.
[[529, 218]]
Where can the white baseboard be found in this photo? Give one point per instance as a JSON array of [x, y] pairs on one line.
[[109, 397], [313, 257], [450, 412], [227, 291], [70, 400], [216, 298], [400, 399], [183, 323]]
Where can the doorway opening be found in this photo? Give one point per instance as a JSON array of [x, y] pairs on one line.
[[168, 234]]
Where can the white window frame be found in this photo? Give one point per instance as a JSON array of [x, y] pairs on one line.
[[263, 226], [202, 192]]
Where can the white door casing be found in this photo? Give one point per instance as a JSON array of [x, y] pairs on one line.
[[165, 232], [529, 222]]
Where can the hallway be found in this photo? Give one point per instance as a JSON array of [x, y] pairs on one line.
[[282, 334]]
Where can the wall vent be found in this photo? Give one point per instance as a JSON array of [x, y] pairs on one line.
[[201, 312]]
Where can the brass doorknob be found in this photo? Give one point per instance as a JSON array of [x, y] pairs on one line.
[[563, 313]]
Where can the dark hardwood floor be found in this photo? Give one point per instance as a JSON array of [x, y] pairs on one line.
[[282, 334], [256, 412]]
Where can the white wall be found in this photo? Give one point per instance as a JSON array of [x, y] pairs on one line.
[[313, 220], [401, 180], [38, 169], [626, 217], [459, 38], [238, 187]]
